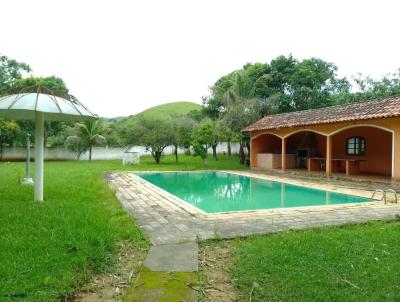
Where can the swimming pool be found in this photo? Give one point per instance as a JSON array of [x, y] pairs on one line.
[[215, 192]]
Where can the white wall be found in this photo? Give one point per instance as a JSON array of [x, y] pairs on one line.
[[99, 153]]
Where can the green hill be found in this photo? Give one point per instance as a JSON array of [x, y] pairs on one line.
[[169, 110], [159, 111]]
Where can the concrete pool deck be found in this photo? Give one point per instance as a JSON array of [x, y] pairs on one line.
[[166, 219]]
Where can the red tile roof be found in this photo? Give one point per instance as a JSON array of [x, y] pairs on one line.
[[374, 109]]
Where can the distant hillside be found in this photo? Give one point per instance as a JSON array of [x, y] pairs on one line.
[[160, 111], [169, 109]]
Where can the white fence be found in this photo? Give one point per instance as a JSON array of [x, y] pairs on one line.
[[99, 153]]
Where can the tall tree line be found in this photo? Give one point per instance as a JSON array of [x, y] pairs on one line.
[[284, 85], [235, 100]]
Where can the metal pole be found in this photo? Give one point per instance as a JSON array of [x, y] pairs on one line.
[[39, 154], [27, 180], [28, 156]]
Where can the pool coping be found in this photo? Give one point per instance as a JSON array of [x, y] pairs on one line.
[[166, 219], [197, 211]]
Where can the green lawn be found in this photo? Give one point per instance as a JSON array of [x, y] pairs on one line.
[[48, 250], [350, 263]]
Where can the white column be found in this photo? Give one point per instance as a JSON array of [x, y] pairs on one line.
[[39, 152], [283, 154], [328, 164]]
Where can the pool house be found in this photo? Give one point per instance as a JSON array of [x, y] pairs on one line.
[[354, 139]]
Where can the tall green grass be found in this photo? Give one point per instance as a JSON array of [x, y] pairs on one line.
[[48, 250], [350, 263]]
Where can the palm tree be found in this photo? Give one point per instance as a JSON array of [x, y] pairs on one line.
[[242, 105], [88, 134]]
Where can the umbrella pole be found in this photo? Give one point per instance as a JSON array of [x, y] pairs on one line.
[[39, 154]]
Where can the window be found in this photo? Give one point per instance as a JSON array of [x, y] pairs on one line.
[[355, 145]]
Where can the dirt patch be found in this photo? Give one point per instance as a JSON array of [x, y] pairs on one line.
[[215, 259], [113, 286]]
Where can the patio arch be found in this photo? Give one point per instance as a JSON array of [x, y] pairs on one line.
[[360, 125], [304, 130], [264, 143], [383, 146], [302, 144], [264, 133]]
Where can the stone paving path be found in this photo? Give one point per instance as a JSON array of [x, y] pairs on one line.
[[178, 257], [166, 219]]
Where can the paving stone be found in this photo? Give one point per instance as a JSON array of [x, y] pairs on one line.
[[181, 257]]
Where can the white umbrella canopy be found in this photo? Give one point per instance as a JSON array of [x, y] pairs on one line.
[[23, 106], [39, 104]]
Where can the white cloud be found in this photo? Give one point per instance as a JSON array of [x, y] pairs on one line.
[[120, 57]]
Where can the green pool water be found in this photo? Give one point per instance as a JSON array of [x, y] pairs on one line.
[[215, 192]]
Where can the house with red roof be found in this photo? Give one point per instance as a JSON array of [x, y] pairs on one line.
[[355, 139]]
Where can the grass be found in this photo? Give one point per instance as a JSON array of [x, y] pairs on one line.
[[49, 250], [350, 263]]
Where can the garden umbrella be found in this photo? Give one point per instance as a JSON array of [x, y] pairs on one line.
[[39, 104]]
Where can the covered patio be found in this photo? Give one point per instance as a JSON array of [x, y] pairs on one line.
[[358, 140]]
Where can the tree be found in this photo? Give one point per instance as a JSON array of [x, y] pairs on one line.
[[312, 84], [155, 134], [238, 116], [113, 136], [175, 136], [8, 131], [202, 140], [241, 107], [76, 145], [87, 135], [53, 83], [196, 115], [285, 84], [185, 132], [218, 135], [10, 71], [229, 135], [367, 88], [182, 133]]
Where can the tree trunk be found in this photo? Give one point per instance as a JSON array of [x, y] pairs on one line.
[[214, 148], [248, 153], [241, 152], [1, 151], [176, 153], [229, 148], [187, 151], [90, 153], [157, 156]]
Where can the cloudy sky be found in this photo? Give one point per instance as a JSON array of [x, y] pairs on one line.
[[120, 57]]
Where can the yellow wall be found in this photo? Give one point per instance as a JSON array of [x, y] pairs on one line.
[[391, 124]]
